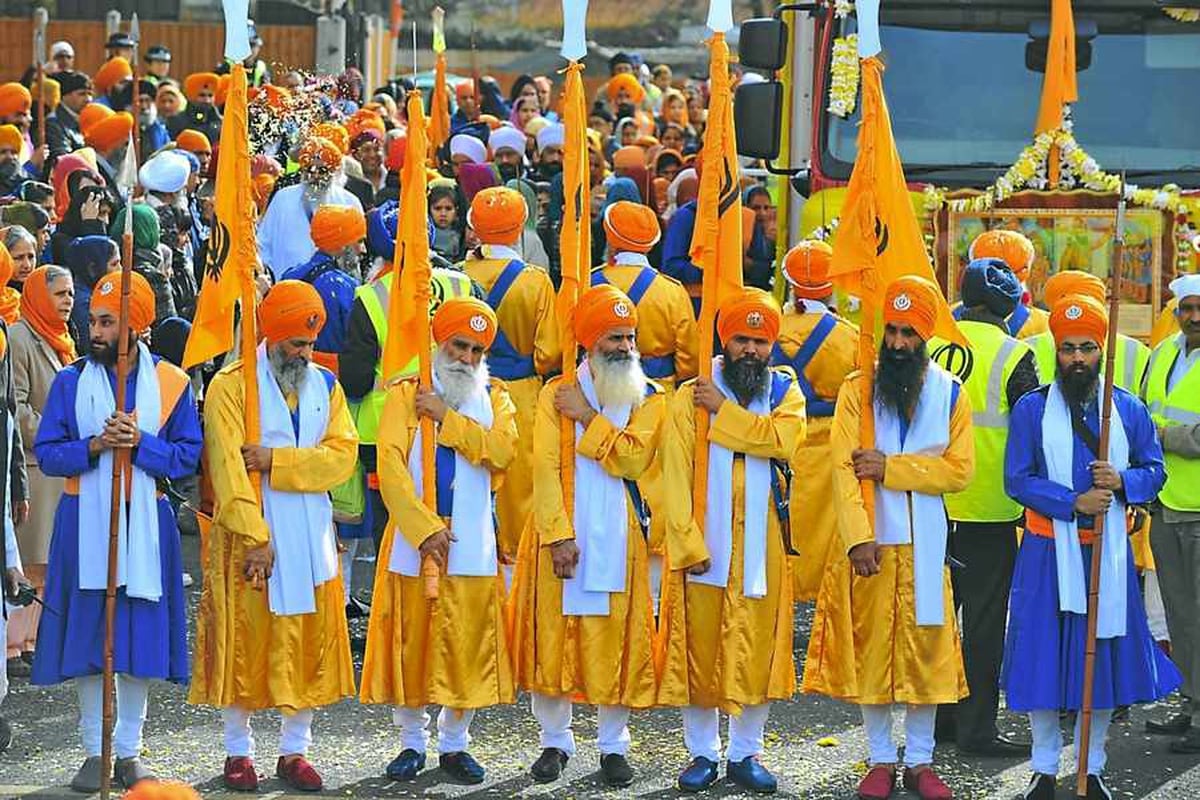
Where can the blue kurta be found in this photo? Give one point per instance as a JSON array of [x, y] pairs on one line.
[[150, 638], [1044, 647], [336, 288]]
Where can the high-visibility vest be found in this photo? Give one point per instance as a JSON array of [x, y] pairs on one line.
[[984, 367], [1180, 406], [1131, 360], [374, 296]]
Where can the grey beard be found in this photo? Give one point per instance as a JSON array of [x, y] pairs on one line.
[[147, 118], [289, 372], [348, 262], [618, 379], [459, 382]]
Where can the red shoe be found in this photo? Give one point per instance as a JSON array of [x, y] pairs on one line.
[[925, 782], [878, 785], [240, 775], [297, 773]]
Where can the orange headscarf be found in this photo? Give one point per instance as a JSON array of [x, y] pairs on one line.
[[1078, 315], [912, 300], [752, 313], [37, 309], [601, 309], [10, 298], [464, 316]]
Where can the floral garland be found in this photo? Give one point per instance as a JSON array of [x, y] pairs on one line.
[[843, 80], [844, 8], [1183, 14]]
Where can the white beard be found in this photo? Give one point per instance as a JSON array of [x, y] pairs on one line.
[[460, 382], [618, 383]]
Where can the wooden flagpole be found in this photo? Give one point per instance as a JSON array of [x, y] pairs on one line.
[[40, 18]]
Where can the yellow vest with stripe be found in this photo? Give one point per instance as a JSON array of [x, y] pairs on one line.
[[984, 368], [1132, 358], [374, 295], [1180, 406]]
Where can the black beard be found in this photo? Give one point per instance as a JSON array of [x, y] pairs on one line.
[[1078, 382], [746, 377], [104, 353], [508, 172], [550, 169], [899, 377]]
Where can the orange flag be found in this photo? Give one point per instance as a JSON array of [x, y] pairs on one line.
[[1059, 86], [439, 107]]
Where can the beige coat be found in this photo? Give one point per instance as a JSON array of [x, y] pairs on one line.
[[34, 365]]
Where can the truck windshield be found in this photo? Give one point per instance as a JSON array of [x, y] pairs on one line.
[[964, 99]]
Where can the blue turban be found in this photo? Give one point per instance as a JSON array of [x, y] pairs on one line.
[[988, 282], [382, 222]]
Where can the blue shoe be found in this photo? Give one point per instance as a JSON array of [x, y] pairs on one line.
[[699, 775], [751, 775], [405, 766], [461, 767]]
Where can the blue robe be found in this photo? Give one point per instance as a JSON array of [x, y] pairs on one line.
[[336, 288], [150, 638], [1044, 647]]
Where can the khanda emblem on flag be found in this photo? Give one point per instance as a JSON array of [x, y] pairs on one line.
[[881, 236], [218, 250]]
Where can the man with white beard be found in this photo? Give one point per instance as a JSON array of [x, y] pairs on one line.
[[457, 658], [583, 621]]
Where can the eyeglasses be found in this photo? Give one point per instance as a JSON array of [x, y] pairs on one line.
[[1087, 349]]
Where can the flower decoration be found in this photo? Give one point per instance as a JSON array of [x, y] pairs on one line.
[[844, 8], [1183, 14], [843, 81]]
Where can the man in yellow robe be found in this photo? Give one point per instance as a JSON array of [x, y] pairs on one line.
[[1015, 250], [458, 657], [286, 647], [727, 603], [885, 630], [582, 622], [526, 349], [821, 348]]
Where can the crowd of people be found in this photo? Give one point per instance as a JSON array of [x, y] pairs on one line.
[[584, 582]]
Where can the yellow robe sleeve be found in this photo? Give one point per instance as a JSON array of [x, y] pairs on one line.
[[773, 436], [683, 540], [949, 472], [687, 340], [397, 429], [237, 506], [493, 447], [852, 523], [330, 463], [625, 452], [550, 520], [547, 350]]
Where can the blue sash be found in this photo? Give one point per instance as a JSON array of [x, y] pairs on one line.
[[815, 405], [655, 367], [503, 359]]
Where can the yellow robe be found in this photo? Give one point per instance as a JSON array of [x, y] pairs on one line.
[[527, 318], [1038, 322], [245, 655], [600, 660], [866, 646], [666, 326], [452, 651], [813, 531], [720, 648]]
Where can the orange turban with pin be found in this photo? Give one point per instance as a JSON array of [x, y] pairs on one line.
[[599, 310], [913, 301], [198, 82], [806, 268], [291, 310], [336, 227], [631, 227], [1079, 315], [752, 313], [1011, 247], [107, 297], [464, 316], [497, 215], [1073, 281], [113, 71]]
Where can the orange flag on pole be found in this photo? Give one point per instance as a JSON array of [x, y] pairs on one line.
[[1059, 86], [439, 107]]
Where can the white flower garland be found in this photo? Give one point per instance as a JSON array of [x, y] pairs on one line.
[[1183, 14], [843, 76], [844, 8]]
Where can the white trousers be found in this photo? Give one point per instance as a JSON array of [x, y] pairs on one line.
[[554, 717], [454, 734], [3, 638], [702, 732], [918, 733], [656, 574], [132, 696], [295, 732], [1048, 740], [351, 546]]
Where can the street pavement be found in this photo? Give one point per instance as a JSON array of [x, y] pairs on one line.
[[815, 746]]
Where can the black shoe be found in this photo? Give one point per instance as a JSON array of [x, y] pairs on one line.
[[1188, 744], [462, 767], [18, 667], [615, 770], [357, 609], [405, 766], [549, 765], [700, 774], [1041, 787], [1174, 725], [1000, 746], [6, 735], [1096, 789]]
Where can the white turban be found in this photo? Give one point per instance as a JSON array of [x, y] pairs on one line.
[[507, 137], [551, 136], [466, 145], [166, 172], [1185, 286]]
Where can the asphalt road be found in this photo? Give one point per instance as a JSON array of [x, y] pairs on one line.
[[815, 746]]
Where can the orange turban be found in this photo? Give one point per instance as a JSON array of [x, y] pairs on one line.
[[291, 310], [631, 227], [318, 148], [113, 71], [629, 83], [752, 313], [107, 297], [10, 138], [1073, 281], [222, 90], [806, 267], [200, 82], [1079, 315], [629, 157], [110, 131], [92, 113], [364, 121], [599, 310], [262, 184], [464, 316], [193, 141], [497, 214], [1011, 247], [912, 300], [333, 132], [14, 98], [336, 227]]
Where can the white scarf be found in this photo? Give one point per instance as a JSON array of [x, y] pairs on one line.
[[601, 520], [928, 434], [718, 513], [629, 259], [139, 569], [301, 523], [1058, 448], [473, 552]]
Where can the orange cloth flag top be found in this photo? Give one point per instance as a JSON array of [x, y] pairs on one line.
[[717, 238], [439, 107], [1059, 86]]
